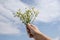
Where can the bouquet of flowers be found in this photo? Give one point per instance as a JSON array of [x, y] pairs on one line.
[[28, 16]]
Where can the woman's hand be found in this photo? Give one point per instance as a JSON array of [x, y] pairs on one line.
[[33, 32]]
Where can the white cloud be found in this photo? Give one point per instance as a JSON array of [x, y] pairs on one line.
[[9, 6], [6, 17], [14, 5], [6, 28], [5, 12], [57, 38], [3, 19], [49, 10]]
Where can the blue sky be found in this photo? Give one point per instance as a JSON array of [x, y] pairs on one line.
[[48, 21]]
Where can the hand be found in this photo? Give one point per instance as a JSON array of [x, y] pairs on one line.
[[32, 30]]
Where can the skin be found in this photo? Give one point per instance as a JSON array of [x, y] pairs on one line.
[[34, 32]]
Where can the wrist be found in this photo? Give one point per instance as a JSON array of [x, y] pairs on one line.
[[41, 36]]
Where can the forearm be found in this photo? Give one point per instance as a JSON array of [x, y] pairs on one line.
[[41, 36]]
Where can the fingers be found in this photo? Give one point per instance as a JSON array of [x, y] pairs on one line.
[[29, 33], [30, 26], [28, 30], [34, 26], [31, 29]]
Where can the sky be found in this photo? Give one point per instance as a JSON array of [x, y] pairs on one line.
[[48, 20]]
